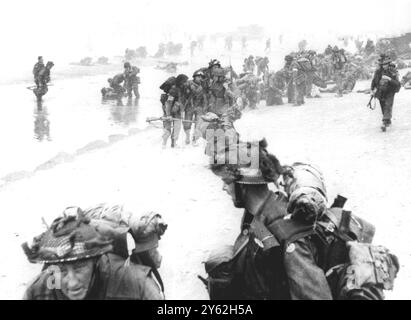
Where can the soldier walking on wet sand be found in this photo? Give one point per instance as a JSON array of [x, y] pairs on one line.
[[384, 86]]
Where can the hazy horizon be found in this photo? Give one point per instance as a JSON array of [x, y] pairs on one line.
[[68, 30]]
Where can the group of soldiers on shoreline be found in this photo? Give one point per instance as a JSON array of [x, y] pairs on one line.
[[305, 74], [218, 89], [123, 84]]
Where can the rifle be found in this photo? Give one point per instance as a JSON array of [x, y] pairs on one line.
[[204, 281], [369, 105], [35, 86], [150, 119]]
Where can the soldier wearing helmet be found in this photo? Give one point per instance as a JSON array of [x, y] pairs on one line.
[[288, 76], [274, 88], [249, 64], [37, 67], [81, 261], [289, 248], [131, 82], [313, 62], [43, 78], [338, 60], [195, 105], [220, 96], [174, 101], [385, 84], [262, 66]]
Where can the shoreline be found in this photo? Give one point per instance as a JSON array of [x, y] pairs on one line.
[[75, 70]]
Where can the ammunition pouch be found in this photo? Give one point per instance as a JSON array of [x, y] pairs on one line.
[[370, 270]]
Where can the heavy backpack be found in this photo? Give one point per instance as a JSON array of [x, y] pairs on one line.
[[166, 86], [252, 269], [304, 65], [355, 268], [370, 270]]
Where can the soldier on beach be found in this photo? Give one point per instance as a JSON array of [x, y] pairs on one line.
[[385, 84], [36, 69], [42, 79], [292, 246], [82, 260], [131, 82]]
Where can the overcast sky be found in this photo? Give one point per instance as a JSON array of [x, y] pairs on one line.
[[77, 27]]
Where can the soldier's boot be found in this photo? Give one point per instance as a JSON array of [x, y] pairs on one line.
[[173, 143], [165, 136], [385, 125], [187, 132], [129, 101]]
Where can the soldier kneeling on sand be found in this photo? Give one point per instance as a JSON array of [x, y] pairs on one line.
[[85, 257]]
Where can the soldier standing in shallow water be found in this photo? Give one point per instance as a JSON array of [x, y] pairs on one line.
[[173, 105], [131, 82], [338, 61], [36, 69], [288, 76], [384, 86], [195, 105], [43, 78]]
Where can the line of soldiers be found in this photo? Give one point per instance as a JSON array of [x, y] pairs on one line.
[[41, 75], [217, 90], [123, 84], [185, 101]]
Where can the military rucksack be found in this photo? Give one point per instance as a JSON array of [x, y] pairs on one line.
[[354, 268], [166, 86], [304, 64]]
